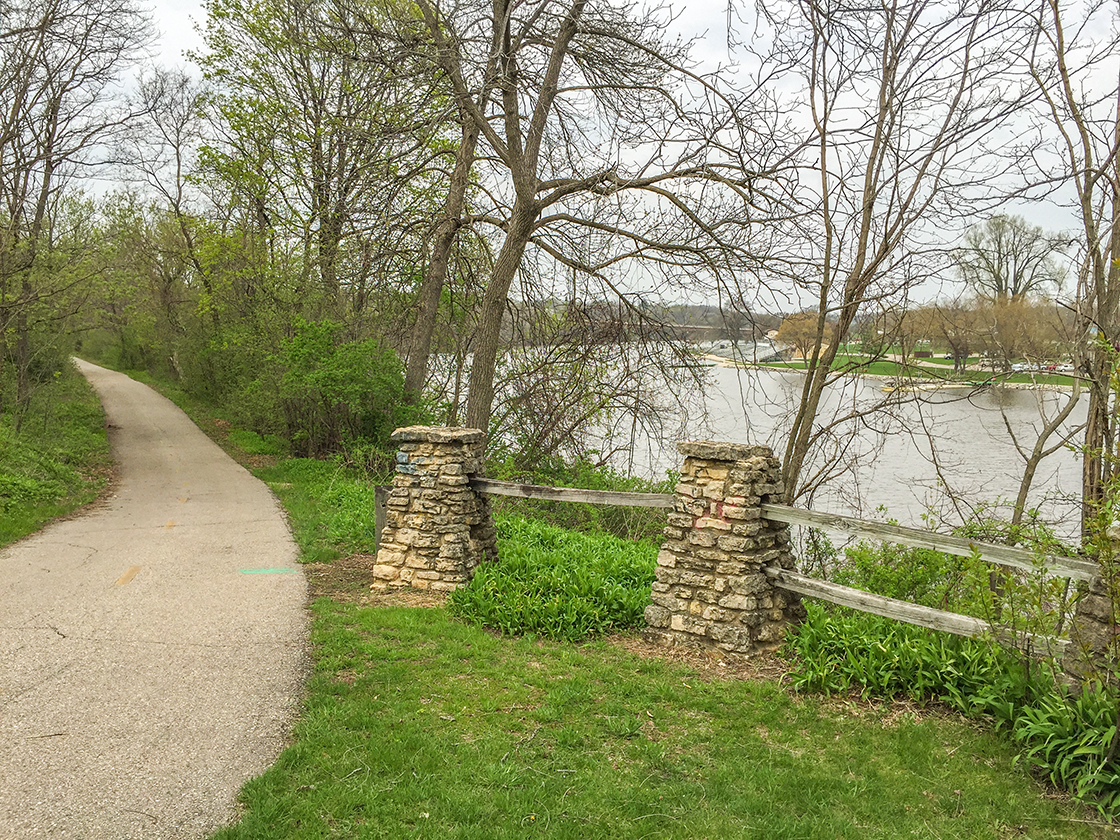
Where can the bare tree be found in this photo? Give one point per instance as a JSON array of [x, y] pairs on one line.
[[1007, 258], [903, 99], [1072, 62], [581, 95]]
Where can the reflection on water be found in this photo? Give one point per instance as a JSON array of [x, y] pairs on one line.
[[907, 455]]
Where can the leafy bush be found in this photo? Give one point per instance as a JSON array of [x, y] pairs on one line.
[[325, 394], [558, 583], [1072, 738]]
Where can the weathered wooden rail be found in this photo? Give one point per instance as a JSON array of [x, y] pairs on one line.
[[858, 599]]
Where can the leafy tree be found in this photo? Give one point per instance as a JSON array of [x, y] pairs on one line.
[[59, 63], [1006, 258]]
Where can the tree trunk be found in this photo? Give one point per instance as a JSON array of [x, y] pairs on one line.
[[480, 386], [431, 287]]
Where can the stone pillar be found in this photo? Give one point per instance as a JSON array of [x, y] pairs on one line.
[[1093, 644], [437, 528], [711, 589]]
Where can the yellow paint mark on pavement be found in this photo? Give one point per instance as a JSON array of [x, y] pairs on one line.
[[127, 576], [170, 523]]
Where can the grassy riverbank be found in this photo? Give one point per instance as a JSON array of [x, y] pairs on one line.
[[56, 460], [417, 723]]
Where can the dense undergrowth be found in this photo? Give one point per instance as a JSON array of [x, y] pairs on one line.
[[54, 457], [559, 583]]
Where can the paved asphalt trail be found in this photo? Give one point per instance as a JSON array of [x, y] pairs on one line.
[[148, 667]]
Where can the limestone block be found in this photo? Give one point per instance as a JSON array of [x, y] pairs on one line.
[[386, 557], [684, 624], [679, 520], [738, 602], [666, 558], [729, 543], [657, 616], [702, 538], [713, 523], [731, 637], [386, 572], [713, 613], [694, 579]]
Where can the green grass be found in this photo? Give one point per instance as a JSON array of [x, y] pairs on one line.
[[58, 461], [330, 507], [416, 725]]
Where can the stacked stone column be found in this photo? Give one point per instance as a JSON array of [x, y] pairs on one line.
[[711, 589], [437, 528], [1093, 645]]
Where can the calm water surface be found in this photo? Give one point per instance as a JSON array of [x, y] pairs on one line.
[[906, 459]]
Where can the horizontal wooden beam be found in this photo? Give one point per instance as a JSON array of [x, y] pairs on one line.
[[948, 622], [572, 494], [1002, 555]]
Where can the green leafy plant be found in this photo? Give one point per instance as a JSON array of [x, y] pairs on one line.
[[558, 583]]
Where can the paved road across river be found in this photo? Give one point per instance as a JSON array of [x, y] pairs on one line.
[[152, 650]]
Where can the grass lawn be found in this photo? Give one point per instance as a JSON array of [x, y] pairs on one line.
[[59, 459], [417, 725]]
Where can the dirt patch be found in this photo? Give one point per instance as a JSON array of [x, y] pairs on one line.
[[348, 579]]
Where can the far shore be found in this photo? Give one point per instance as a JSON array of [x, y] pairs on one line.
[[724, 361]]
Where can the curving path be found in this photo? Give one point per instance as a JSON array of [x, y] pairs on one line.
[[151, 651]]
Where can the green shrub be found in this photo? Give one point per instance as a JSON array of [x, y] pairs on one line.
[[1072, 739], [560, 584], [323, 393]]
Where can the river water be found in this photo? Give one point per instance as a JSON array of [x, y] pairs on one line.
[[912, 458]]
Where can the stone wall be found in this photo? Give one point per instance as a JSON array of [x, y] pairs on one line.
[[711, 590], [437, 528]]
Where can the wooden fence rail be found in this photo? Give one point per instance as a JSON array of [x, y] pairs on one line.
[[1002, 555], [572, 494], [961, 625], [949, 622]]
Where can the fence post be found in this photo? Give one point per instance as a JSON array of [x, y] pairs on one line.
[[437, 527], [711, 589]]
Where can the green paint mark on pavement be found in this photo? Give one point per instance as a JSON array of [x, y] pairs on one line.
[[267, 571]]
